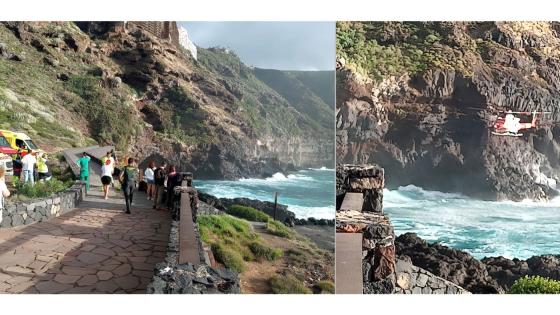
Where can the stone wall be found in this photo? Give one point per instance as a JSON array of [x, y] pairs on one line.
[[167, 30], [170, 277], [368, 180], [411, 279], [38, 210]]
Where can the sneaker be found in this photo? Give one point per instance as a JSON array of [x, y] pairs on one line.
[[127, 212]]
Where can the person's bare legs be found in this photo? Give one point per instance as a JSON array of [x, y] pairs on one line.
[[106, 191], [150, 191]]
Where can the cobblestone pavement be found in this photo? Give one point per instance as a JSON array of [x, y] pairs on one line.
[[95, 249]]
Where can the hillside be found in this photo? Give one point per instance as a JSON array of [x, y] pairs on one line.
[[306, 90], [419, 99], [70, 86]]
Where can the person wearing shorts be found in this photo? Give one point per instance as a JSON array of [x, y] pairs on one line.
[[106, 177], [149, 176]]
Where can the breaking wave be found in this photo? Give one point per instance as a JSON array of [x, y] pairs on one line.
[[482, 228], [307, 193]]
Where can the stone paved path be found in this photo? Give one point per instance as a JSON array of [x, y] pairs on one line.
[[94, 249]]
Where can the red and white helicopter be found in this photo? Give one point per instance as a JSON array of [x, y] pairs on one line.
[[509, 124]]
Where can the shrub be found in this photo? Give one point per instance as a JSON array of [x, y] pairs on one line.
[[228, 256], [232, 241], [263, 251], [279, 229], [326, 287], [535, 285], [248, 213], [42, 189], [288, 285]]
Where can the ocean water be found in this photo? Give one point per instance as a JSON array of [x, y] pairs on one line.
[[482, 228], [307, 193]]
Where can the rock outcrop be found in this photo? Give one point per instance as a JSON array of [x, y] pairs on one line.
[[211, 116], [453, 265], [507, 271], [489, 275], [423, 108]]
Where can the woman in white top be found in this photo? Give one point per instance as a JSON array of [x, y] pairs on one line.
[[149, 177], [4, 192], [106, 177]]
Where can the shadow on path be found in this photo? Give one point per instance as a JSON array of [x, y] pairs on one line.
[[96, 248]]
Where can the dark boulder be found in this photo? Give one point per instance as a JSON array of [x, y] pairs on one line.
[[450, 264]]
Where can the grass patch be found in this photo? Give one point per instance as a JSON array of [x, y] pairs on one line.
[[263, 251], [326, 287], [248, 213], [279, 229], [233, 242], [288, 285], [229, 257], [535, 285]]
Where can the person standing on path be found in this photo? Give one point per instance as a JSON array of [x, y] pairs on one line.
[[159, 182], [28, 165], [83, 163], [4, 192], [42, 167], [149, 176], [128, 179], [106, 177], [173, 180]]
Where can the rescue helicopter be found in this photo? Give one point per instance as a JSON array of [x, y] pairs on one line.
[[509, 123]]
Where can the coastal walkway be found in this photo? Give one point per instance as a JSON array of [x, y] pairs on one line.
[[96, 248], [349, 278]]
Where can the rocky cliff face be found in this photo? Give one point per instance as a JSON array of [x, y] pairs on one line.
[[419, 99], [104, 82]]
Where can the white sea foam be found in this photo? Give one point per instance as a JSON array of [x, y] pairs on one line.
[[484, 228], [316, 212], [308, 193], [322, 168]]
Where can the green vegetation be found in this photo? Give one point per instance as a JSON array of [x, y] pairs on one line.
[[288, 284], [228, 256], [262, 250], [233, 242], [248, 213], [382, 49], [265, 106], [41, 189], [110, 115], [326, 287], [279, 229], [300, 95], [535, 285]]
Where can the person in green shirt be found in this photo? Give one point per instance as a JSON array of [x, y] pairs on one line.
[[83, 163]]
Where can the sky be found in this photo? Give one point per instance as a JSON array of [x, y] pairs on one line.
[[271, 45]]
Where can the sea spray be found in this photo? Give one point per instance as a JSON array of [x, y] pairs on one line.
[[307, 193], [482, 228]]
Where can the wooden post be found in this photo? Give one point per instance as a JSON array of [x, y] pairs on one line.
[[275, 204]]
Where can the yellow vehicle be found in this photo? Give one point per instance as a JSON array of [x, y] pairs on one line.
[[19, 140]]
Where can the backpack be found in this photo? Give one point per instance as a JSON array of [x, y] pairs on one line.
[[158, 174], [130, 175]]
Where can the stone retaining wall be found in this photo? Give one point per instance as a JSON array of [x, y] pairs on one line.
[[170, 277], [38, 210], [415, 280]]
